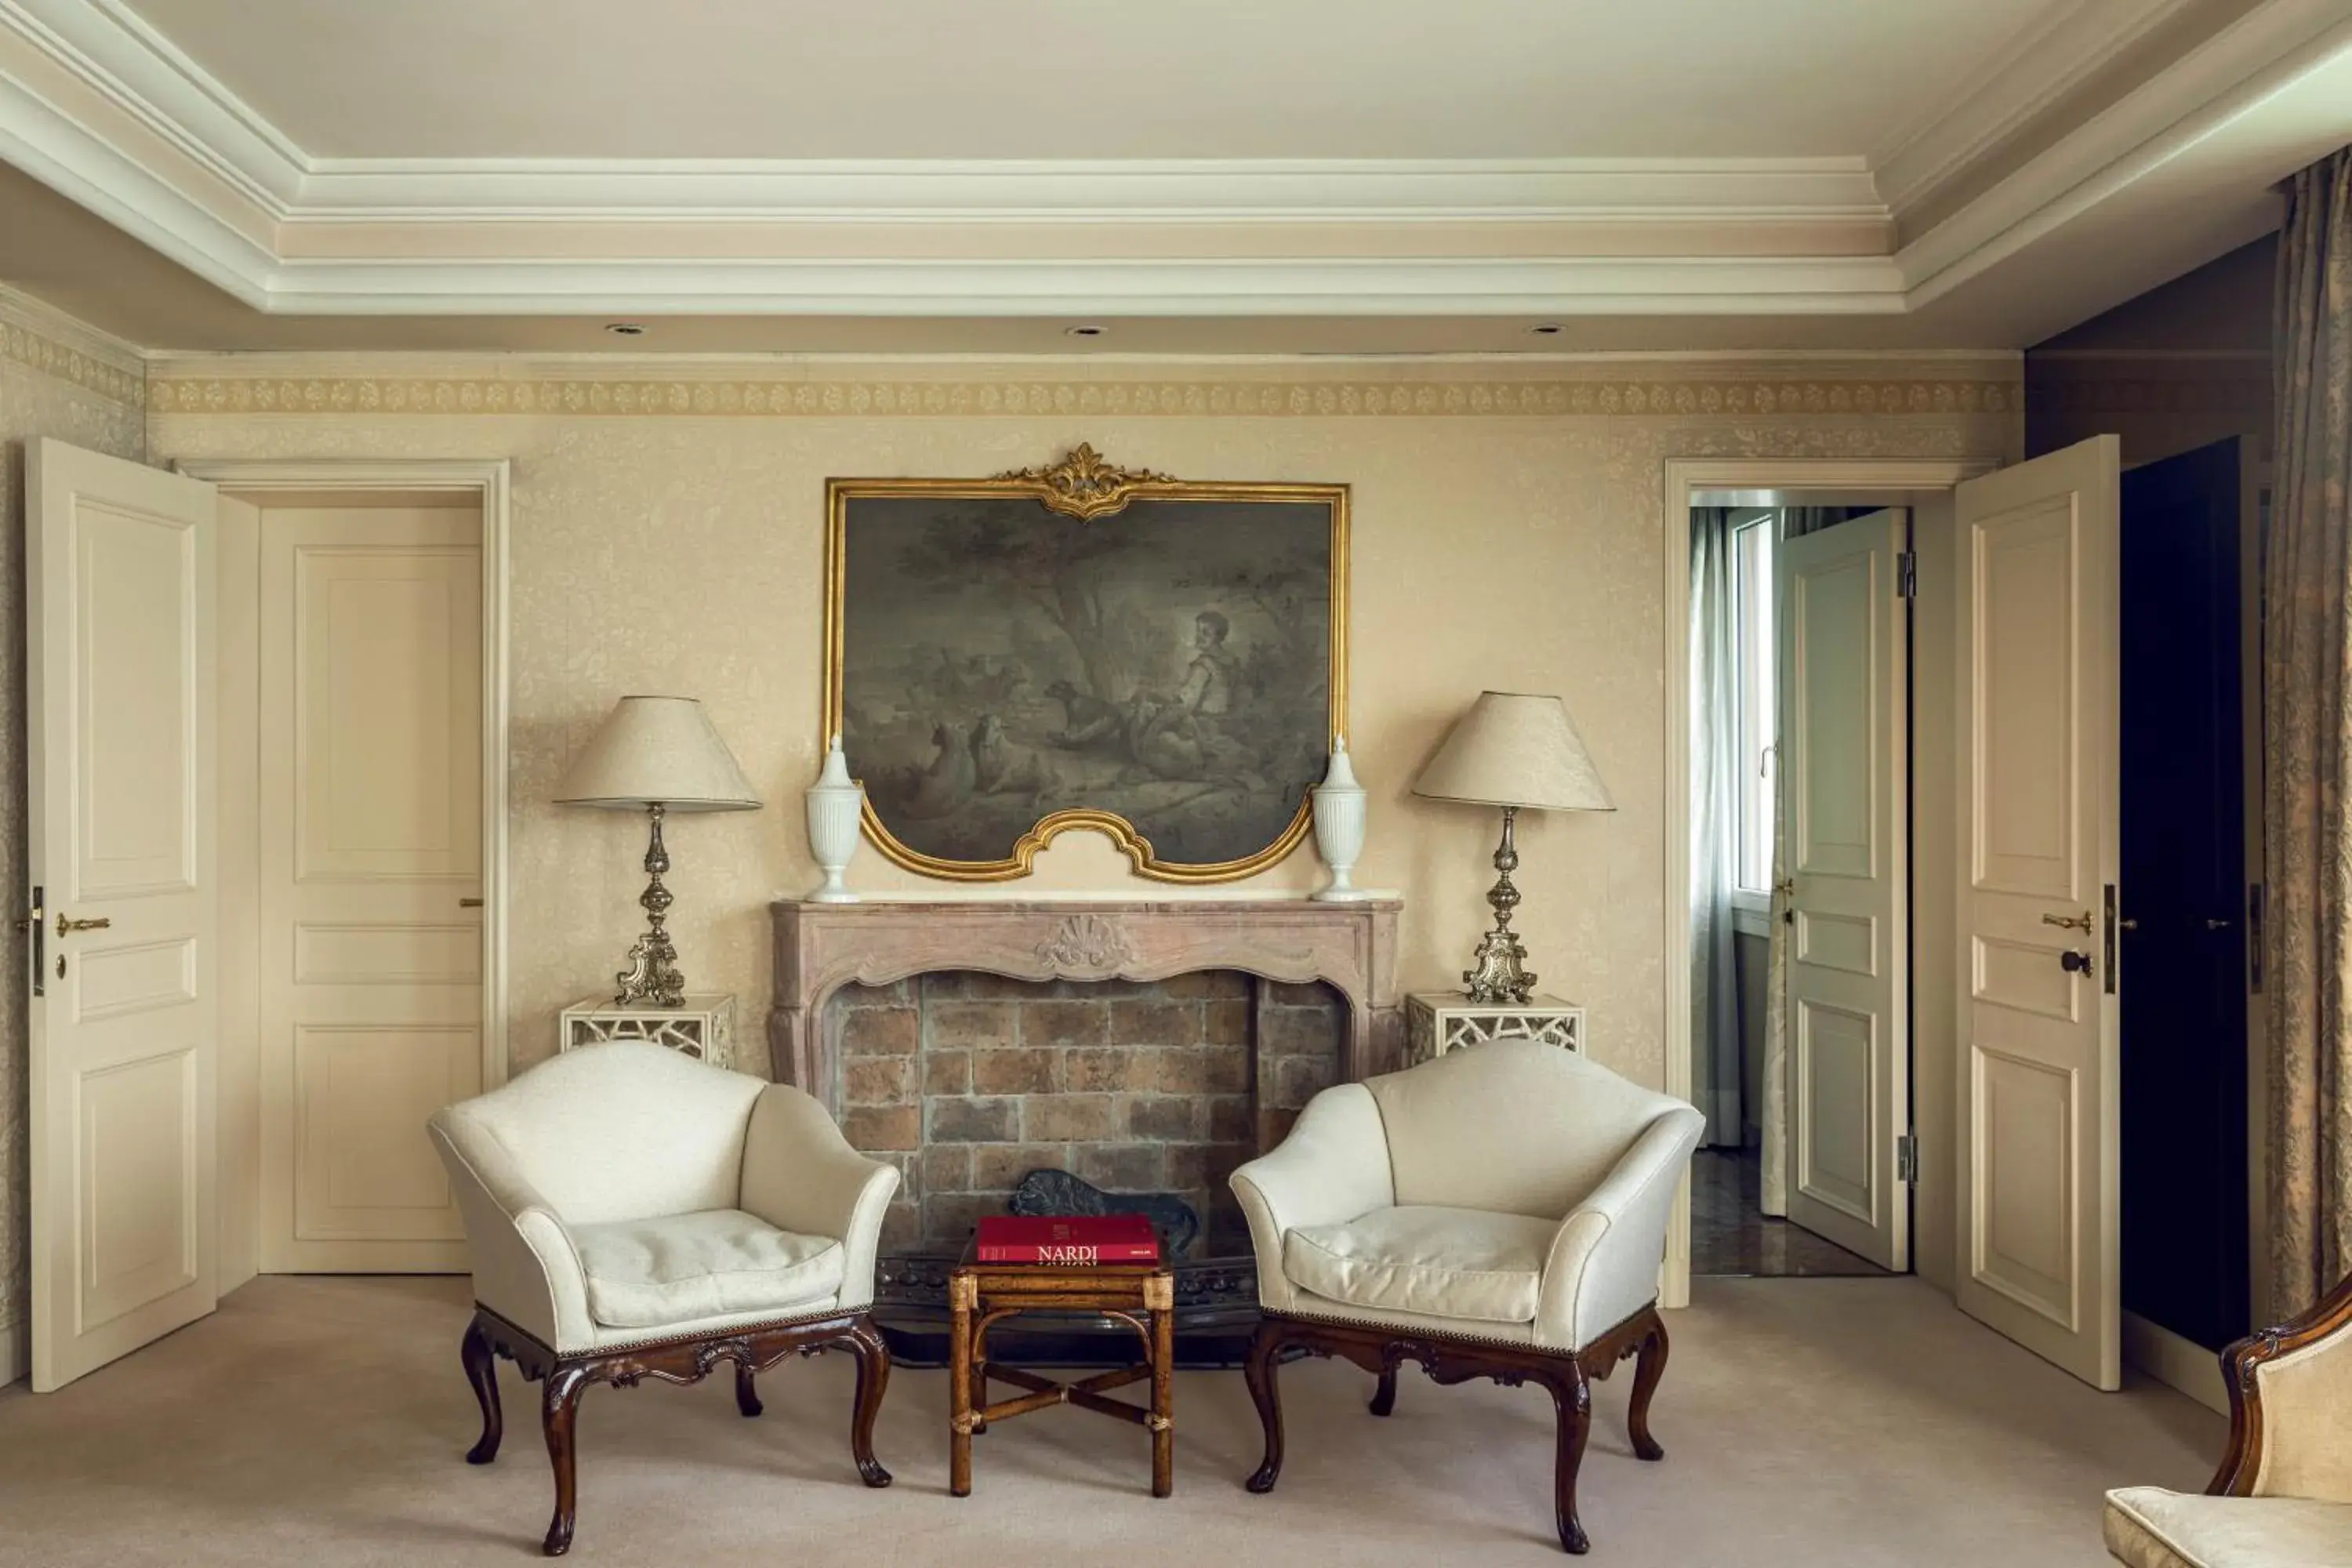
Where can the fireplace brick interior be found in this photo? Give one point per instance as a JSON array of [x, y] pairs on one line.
[[968, 1081]]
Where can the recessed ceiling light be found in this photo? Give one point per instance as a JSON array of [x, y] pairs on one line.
[[626, 328], [1546, 330], [1088, 330]]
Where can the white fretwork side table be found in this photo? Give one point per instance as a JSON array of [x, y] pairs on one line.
[[1438, 1021], [704, 1028]]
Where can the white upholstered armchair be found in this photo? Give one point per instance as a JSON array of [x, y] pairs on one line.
[[632, 1213], [2284, 1492], [1500, 1212]]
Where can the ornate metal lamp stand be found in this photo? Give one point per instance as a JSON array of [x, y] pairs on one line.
[[1499, 974], [652, 978]]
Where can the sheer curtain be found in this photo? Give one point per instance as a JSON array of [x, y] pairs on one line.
[[2307, 747], [1715, 815], [1796, 522]]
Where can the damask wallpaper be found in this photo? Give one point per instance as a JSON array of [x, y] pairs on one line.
[[55, 379], [669, 531], [668, 536]]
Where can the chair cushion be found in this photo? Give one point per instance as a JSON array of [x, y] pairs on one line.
[[2149, 1527], [1438, 1262], [649, 1273]]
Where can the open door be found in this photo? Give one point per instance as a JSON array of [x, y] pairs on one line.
[[1842, 725], [119, 631], [2039, 1090]]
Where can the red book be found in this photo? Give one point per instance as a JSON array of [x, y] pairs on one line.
[[1080, 1239]]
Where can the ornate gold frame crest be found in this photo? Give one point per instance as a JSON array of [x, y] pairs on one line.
[[1085, 486]]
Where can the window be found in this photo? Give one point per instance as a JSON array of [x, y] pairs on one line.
[[1757, 660]]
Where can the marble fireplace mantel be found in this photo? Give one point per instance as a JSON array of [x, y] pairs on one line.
[[820, 948]]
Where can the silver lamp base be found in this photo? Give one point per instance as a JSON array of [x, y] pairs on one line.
[[651, 979], [1499, 972]]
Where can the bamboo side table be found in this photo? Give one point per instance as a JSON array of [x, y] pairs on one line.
[[980, 1295]]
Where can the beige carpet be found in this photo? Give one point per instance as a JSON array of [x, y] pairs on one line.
[[1814, 1421]]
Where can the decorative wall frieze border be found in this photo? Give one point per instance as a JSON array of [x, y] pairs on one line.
[[585, 396], [53, 344]]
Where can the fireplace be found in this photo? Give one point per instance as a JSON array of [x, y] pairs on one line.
[[1144, 1048]]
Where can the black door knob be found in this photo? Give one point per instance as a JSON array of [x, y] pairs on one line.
[[2074, 962]]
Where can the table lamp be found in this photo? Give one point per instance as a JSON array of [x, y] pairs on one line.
[[657, 754], [1520, 753]]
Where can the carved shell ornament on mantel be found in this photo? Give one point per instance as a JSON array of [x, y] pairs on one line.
[[1086, 942], [1084, 486]]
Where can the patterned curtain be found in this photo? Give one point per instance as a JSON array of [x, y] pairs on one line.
[[1796, 522], [2307, 746]]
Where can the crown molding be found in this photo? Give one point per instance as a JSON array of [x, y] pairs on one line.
[[2260, 57], [1293, 191], [2036, 71], [103, 108]]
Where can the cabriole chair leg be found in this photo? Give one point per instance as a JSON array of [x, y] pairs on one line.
[[482, 1373], [1259, 1371], [558, 1408]]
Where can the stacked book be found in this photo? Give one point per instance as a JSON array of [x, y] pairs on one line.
[[1083, 1241]]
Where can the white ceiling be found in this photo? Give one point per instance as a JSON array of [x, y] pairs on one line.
[[1215, 176], [1093, 79]]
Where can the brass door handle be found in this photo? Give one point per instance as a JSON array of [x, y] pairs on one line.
[[65, 925], [2081, 922], [469, 903]]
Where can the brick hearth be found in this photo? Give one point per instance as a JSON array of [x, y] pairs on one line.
[[968, 1081]]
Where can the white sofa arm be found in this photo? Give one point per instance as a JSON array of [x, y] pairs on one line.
[[1603, 1265], [526, 1268], [801, 1174], [1334, 1167]]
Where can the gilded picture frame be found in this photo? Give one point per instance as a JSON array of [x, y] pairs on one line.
[[1162, 660]]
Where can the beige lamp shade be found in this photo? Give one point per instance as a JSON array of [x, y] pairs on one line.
[[657, 749], [1513, 749]]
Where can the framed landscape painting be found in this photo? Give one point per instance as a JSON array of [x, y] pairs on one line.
[[1085, 645]]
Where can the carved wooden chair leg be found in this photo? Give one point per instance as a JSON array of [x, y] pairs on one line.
[[1384, 1397], [1265, 1353], [1572, 1395], [558, 1407], [482, 1373], [1646, 1374], [873, 1355], [747, 1391]]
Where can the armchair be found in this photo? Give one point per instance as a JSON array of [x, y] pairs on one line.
[[633, 1214], [2284, 1492], [1498, 1212]]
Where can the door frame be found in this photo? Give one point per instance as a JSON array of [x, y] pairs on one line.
[[490, 481], [1682, 476]]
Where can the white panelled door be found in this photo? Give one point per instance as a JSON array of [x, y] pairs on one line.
[[120, 687], [2040, 803], [370, 773], [1843, 726]]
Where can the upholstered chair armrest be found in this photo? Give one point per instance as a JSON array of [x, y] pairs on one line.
[[1333, 1168], [801, 1174], [2291, 1407], [1603, 1264], [526, 1268]]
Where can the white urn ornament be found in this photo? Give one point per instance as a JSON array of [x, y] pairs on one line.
[[834, 807], [1339, 825]]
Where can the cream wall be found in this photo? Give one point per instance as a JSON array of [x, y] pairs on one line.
[[668, 536], [60, 380]]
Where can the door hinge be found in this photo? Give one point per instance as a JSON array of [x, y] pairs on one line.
[[1907, 575], [1907, 1158], [32, 922]]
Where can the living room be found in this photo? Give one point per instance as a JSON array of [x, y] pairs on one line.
[[1084, 612]]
